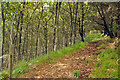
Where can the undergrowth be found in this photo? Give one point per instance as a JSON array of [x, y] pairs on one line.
[[93, 36], [89, 60], [107, 65], [102, 46]]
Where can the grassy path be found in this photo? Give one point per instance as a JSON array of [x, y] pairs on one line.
[[80, 64]]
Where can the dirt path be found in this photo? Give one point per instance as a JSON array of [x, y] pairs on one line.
[[68, 64]]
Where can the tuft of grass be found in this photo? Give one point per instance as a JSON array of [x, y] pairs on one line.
[[76, 73], [23, 66], [89, 60], [4, 75], [106, 67], [102, 46], [97, 64]]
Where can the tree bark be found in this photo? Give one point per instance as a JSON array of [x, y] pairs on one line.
[[3, 35], [63, 33], [20, 33], [58, 28], [111, 29], [82, 36], [10, 58], [45, 37], [102, 15], [54, 40], [75, 23], [71, 24]]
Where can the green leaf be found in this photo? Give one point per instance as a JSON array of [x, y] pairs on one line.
[[52, 26]]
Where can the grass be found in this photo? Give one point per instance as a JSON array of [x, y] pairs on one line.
[[89, 60], [107, 66], [76, 73], [23, 65], [93, 36], [102, 46]]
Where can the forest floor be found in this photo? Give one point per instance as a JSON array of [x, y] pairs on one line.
[[69, 66]]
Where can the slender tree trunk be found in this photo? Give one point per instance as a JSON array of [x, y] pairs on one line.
[[37, 39], [36, 47], [71, 24], [82, 36], [26, 51], [3, 35], [79, 27], [11, 50], [58, 29], [75, 23], [45, 37], [66, 38], [63, 33], [54, 40], [111, 29], [20, 33], [17, 37], [10, 58], [23, 46], [14, 53]]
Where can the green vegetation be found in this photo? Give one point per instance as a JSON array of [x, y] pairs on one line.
[[107, 65], [93, 36], [89, 60], [43, 32], [76, 73], [23, 65], [102, 45]]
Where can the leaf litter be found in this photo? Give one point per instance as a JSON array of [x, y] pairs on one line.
[[65, 66]]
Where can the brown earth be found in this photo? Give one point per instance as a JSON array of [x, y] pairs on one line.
[[65, 67]]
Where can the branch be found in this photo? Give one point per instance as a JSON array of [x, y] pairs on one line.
[[99, 11], [50, 16], [35, 8], [99, 23], [68, 11]]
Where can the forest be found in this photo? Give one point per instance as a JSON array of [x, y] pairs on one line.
[[60, 40]]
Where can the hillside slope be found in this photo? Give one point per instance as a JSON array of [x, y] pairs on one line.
[[79, 63]]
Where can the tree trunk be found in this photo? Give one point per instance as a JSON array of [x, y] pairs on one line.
[[58, 29], [63, 33], [26, 51], [37, 39], [82, 23], [102, 15], [54, 40], [75, 23], [45, 37], [10, 58], [3, 35], [20, 33], [71, 24], [111, 29]]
